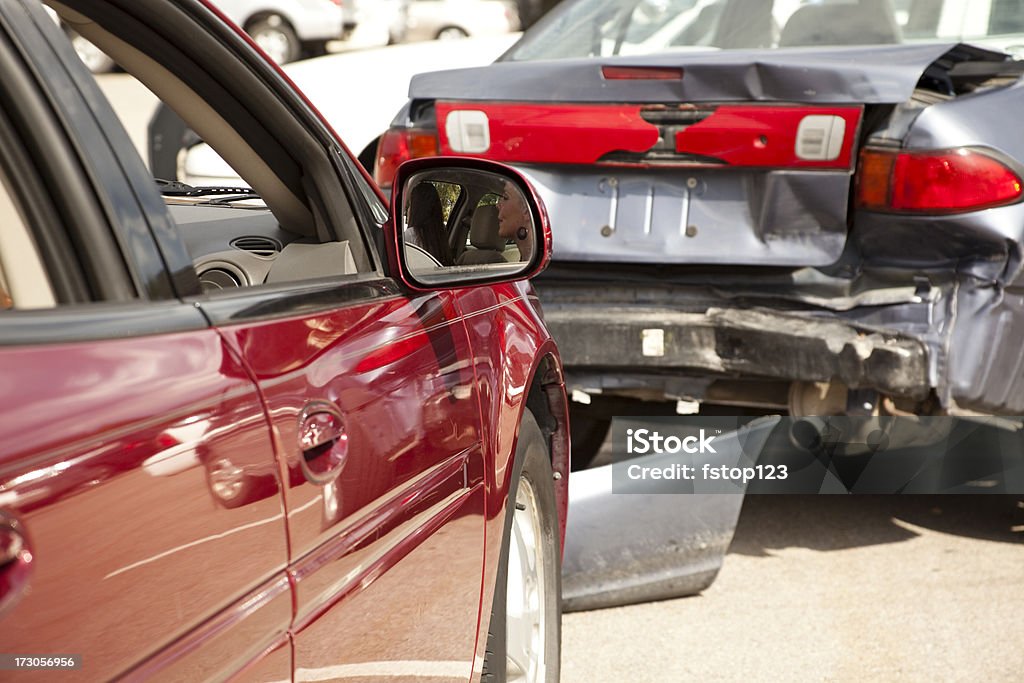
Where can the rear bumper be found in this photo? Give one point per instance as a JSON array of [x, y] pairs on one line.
[[733, 343]]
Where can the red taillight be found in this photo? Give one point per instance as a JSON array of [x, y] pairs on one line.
[[397, 146], [942, 181]]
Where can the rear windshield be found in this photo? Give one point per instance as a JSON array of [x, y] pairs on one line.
[[603, 28]]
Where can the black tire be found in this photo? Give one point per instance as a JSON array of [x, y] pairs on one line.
[[532, 470], [314, 48], [587, 434], [277, 38], [451, 33]]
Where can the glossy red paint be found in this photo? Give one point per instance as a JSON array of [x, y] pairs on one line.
[[743, 135], [408, 501], [511, 356], [510, 347], [764, 136], [553, 133], [132, 549]]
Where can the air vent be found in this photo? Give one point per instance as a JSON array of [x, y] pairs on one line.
[[264, 247], [217, 279]]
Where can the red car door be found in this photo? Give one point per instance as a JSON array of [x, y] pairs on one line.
[[128, 428], [107, 450], [372, 402]]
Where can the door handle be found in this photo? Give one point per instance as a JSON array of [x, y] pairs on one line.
[[323, 441], [16, 561]]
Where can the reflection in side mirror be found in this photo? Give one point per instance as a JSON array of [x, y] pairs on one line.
[[461, 225]]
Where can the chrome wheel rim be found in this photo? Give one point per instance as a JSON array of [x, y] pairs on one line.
[[525, 602], [274, 43]]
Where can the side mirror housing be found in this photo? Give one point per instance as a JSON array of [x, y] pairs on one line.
[[458, 222]]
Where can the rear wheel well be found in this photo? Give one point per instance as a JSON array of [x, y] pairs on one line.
[[264, 16], [451, 28], [546, 400]]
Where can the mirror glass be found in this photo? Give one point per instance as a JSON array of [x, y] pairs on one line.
[[465, 224]]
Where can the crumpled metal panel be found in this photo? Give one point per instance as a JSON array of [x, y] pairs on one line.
[[863, 74], [730, 341], [627, 548]]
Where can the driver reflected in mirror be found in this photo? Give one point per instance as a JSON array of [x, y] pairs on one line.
[[515, 221]]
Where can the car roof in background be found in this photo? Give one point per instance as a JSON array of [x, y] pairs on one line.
[[359, 92]]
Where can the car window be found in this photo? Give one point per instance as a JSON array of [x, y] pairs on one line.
[[602, 28], [1006, 16], [276, 213], [23, 280], [990, 22]]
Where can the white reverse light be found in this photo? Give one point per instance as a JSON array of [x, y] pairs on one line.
[[820, 138], [468, 131]]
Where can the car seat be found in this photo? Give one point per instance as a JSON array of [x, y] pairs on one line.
[[865, 23], [487, 245]]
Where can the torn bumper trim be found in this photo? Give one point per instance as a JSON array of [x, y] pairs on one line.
[[739, 342]]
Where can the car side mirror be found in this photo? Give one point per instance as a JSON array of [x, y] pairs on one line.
[[459, 222]]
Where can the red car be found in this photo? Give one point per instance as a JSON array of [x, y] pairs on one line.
[[276, 432]]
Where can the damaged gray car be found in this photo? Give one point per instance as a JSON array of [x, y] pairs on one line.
[[762, 206]]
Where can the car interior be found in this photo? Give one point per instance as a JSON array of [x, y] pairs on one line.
[[22, 278], [296, 223]]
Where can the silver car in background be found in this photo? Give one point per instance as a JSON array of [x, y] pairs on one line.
[[448, 19], [285, 29], [290, 29]]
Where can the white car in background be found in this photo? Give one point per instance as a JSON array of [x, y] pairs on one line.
[[288, 29], [447, 19], [382, 73], [285, 29]]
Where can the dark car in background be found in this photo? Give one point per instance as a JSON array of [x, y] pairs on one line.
[[260, 432], [763, 205]]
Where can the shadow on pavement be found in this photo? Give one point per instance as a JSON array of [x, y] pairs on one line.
[[825, 523]]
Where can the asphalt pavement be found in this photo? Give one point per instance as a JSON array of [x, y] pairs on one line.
[[832, 588]]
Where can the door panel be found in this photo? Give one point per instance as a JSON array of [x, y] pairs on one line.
[[387, 555], [106, 453]]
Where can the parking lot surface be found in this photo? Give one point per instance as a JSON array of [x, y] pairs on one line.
[[832, 588]]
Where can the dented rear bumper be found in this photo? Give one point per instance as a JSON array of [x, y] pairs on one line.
[[730, 342]]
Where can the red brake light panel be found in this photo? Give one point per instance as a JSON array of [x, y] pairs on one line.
[[761, 136]]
